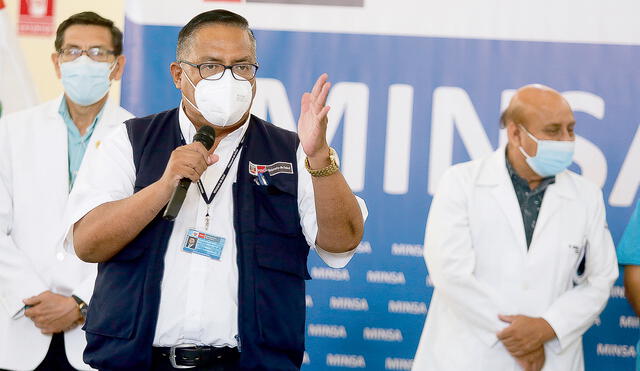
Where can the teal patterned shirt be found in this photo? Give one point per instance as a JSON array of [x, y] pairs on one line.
[[530, 200]]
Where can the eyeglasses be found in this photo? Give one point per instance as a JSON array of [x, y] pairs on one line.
[[97, 54], [215, 71]]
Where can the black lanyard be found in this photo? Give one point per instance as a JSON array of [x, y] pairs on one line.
[[203, 192]]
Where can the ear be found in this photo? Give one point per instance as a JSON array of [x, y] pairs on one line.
[[56, 65], [117, 72], [514, 133], [176, 73]]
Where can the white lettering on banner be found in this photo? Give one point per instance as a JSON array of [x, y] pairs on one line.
[[323, 273], [452, 108], [305, 359], [617, 292], [616, 350], [408, 307], [628, 181], [629, 322], [406, 250], [392, 278], [308, 301], [383, 334], [348, 303], [346, 360], [398, 364], [588, 156], [271, 97], [327, 331], [351, 100], [364, 248], [398, 139]]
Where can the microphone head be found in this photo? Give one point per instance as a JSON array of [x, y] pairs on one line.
[[205, 135]]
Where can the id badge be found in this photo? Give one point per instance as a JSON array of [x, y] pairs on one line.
[[204, 244]]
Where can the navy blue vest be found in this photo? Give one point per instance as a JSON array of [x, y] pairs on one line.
[[272, 258]]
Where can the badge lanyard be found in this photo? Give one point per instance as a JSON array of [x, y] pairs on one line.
[[209, 199]]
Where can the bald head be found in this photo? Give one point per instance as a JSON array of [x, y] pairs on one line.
[[533, 102]]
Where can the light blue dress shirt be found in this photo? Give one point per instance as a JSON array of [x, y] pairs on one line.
[[629, 251], [77, 144]]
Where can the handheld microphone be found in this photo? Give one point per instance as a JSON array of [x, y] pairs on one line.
[[205, 135]]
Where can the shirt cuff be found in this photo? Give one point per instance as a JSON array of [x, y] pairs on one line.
[[335, 259]]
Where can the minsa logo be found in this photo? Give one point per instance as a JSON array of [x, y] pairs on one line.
[[629, 322], [323, 273], [348, 303], [305, 359], [346, 360], [408, 307], [382, 334], [402, 249], [364, 248], [308, 300], [327, 331], [617, 292], [398, 364], [392, 278], [616, 350]]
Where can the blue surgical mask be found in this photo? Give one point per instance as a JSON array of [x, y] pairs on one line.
[[86, 81], [553, 156]]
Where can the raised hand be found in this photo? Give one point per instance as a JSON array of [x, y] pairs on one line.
[[312, 124]]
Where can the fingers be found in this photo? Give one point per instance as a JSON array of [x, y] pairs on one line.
[[34, 299], [506, 318], [322, 98], [317, 87]]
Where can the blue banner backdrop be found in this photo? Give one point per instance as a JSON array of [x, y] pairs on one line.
[[370, 315]]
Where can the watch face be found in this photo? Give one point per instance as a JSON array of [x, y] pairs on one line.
[[83, 310]]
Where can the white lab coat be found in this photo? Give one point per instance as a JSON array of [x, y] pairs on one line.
[[476, 254], [34, 187]]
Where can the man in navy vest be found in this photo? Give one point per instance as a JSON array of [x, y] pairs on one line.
[[235, 301]]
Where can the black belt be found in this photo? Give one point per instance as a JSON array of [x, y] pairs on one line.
[[189, 356]]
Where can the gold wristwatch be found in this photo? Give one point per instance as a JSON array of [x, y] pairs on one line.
[[82, 306], [327, 170]]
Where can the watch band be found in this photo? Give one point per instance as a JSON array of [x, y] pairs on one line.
[[327, 170], [82, 306]]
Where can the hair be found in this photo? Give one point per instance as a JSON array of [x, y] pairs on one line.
[[90, 18], [513, 113], [217, 16]]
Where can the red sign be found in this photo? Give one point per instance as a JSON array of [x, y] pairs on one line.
[[36, 17], [1, 4]]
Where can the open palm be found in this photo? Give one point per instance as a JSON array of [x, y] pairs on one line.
[[312, 124]]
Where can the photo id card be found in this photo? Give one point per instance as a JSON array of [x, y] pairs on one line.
[[203, 244]]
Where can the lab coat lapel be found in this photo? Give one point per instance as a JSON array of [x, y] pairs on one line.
[[554, 199], [107, 122], [56, 149], [495, 174]]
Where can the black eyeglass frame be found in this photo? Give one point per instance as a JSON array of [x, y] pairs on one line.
[[226, 67]]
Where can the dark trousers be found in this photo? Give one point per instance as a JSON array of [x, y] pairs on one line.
[[56, 358]]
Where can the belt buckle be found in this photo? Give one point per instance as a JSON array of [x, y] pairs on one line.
[[172, 354]]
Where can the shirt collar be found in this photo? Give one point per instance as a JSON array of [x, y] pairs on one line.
[[189, 130], [63, 110]]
